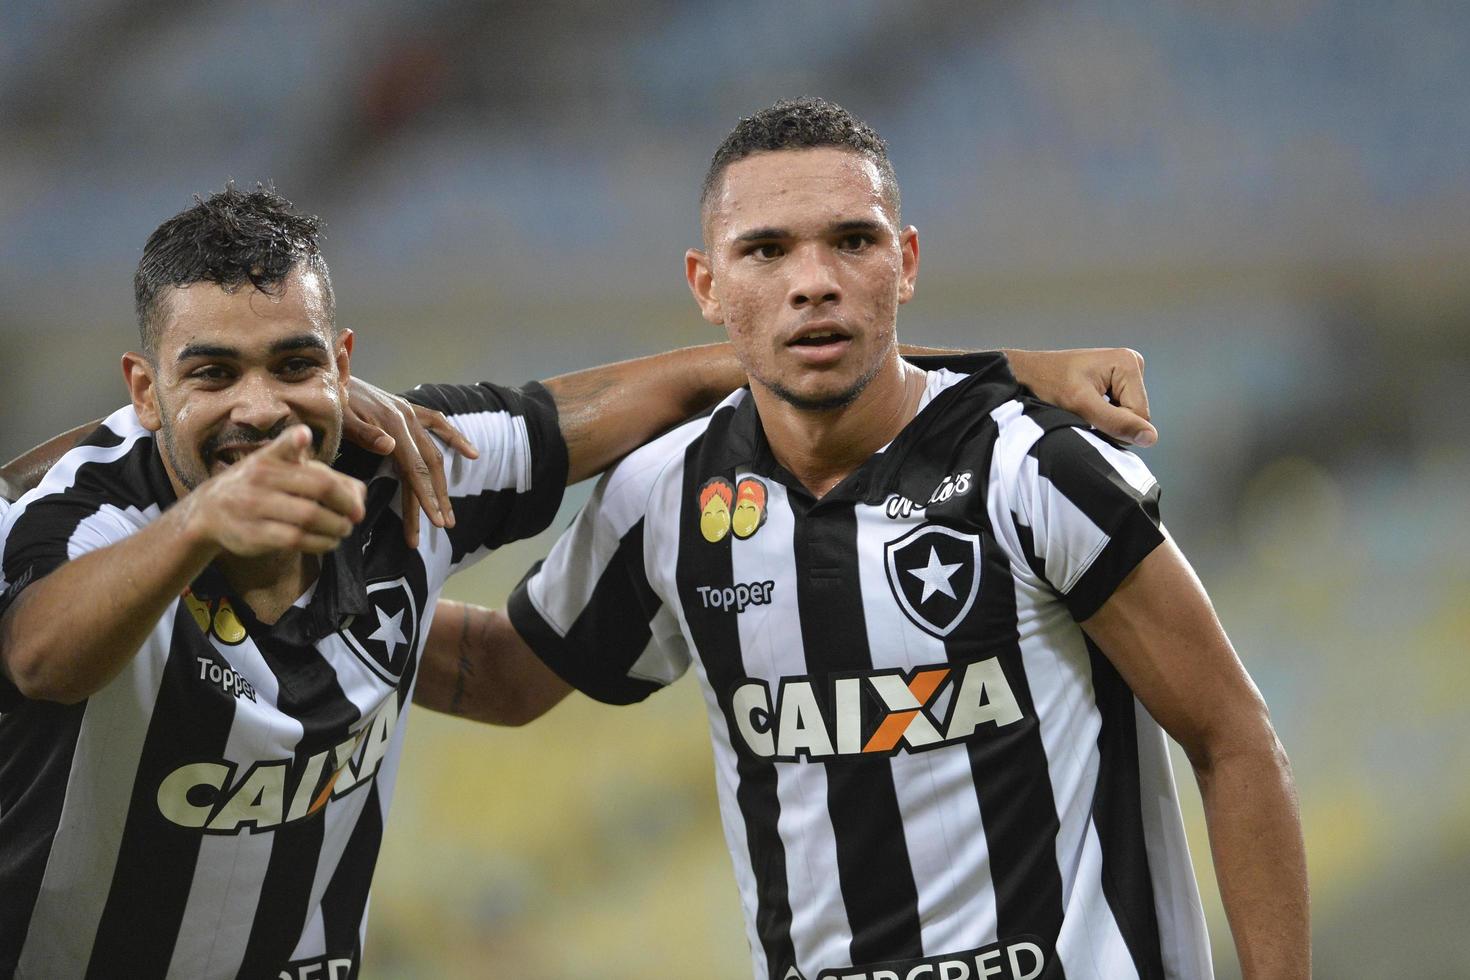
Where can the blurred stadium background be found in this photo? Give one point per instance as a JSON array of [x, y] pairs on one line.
[[1269, 198]]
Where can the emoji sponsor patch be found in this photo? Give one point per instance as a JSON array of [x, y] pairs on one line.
[[716, 497], [215, 617], [750, 507]]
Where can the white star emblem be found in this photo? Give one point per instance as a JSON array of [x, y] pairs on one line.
[[935, 577], [390, 630]]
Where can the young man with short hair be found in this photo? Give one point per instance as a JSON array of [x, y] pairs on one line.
[[939, 645]]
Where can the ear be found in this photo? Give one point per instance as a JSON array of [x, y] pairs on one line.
[[701, 277], [142, 386], [908, 244], [343, 356]]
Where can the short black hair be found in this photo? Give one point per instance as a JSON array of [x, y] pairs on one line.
[[801, 124], [229, 239]]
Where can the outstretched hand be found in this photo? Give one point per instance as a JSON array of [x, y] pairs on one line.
[[385, 423], [1104, 385], [275, 499]]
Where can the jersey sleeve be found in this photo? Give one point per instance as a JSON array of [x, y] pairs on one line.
[[1085, 514], [42, 532], [590, 610], [514, 489]]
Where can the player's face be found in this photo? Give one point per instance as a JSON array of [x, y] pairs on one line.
[[235, 369], [806, 269]]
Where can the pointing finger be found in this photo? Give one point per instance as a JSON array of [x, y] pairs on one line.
[[293, 444]]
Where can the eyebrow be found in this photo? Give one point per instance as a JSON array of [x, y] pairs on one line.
[[772, 234], [305, 341], [299, 342], [762, 235], [857, 224], [206, 350]]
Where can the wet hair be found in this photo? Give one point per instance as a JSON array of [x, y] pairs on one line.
[[229, 239], [801, 124]]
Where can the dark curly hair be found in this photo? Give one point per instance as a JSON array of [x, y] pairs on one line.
[[229, 239], [799, 124]]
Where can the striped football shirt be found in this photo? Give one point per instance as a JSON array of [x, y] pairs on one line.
[[216, 810], [925, 768]]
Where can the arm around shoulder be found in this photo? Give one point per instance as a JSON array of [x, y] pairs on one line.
[[476, 666], [607, 411]]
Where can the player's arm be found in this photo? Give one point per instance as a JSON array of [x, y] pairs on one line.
[[69, 632], [476, 666], [1101, 385], [25, 471], [607, 411], [1160, 631]]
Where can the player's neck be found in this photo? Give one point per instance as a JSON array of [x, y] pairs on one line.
[[821, 447], [269, 583]]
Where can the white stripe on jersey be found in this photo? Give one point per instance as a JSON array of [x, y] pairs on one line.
[[1182, 930], [98, 790], [805, 824], [220, 906], [1090, 945]]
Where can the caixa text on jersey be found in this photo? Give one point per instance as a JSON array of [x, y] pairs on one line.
[[877, 712]]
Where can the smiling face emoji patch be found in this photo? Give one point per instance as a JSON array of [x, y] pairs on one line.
[[715, 498], [750, 507]]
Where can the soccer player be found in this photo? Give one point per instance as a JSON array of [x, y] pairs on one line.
[[938, 625], [212, 613]]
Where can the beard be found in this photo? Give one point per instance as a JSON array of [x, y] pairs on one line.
[[823, 403], [192, 469]]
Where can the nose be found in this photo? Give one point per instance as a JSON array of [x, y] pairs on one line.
[[813, 279], [258, 402]]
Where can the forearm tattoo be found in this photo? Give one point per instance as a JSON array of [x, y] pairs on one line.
[[465, 669]]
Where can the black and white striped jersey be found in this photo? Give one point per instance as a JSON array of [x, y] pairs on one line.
[[924, 766], [216, 810]]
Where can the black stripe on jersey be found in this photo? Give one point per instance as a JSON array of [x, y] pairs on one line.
[[495, 517], [873, 867], [716, 636], [615, 622], [1010, 771], [344, 903], [310, 693], [1130, 519], [1117, 811], [37, 742], [156, 858]]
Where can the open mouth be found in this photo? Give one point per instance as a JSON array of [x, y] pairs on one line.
[[821, 338], [819, 334], [230, 455]]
